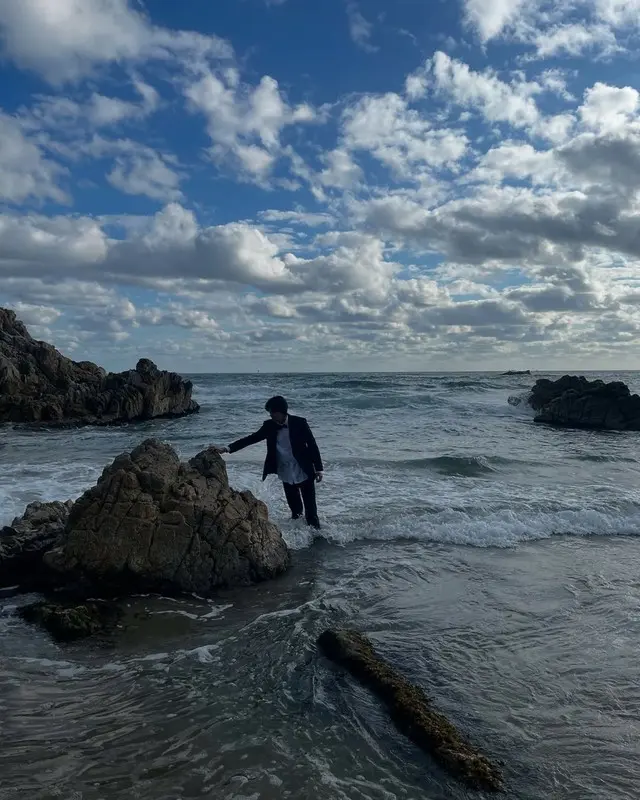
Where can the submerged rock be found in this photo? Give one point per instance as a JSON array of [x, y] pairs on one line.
[[155, 523], [67, 622], [41, 386], [576, 402], [24, 543], [411, 709]]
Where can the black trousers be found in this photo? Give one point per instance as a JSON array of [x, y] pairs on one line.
[[299, 494]]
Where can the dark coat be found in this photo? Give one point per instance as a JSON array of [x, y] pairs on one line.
[[303, 445]]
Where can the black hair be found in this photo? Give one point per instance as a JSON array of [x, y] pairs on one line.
[[277, 404]]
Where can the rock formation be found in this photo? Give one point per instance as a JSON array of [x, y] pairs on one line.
[[517, 372], [39, 385], [576, 402], [411, 709], [151, 523], [24, 543], [68, 622]]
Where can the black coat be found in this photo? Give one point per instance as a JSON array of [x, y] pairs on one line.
[[303, 445]]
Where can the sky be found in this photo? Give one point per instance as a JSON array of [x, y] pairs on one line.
[[294, 185]]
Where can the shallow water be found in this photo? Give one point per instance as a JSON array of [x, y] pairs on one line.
[[495, 561]]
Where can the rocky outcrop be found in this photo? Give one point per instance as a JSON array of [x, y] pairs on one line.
[[576, 402], [411, 709], [67, 622], [153, 522], [39, 385], [517, 372], [24, 543]]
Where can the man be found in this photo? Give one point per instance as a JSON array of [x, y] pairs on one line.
[[292, 455]]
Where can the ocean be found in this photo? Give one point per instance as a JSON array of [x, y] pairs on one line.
[[494, 561]]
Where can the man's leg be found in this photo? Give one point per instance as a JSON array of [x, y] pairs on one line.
[[292, 493], [308, 489]]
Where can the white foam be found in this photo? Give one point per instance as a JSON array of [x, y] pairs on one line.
[[500, 528], [217, 611]]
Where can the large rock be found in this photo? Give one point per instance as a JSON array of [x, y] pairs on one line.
[[67, 622], [155, 523], [24, 543], [39, 385], [576, 402], [411, 709]]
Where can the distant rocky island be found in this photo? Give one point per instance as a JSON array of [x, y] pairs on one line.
[[576, 402], [39, 385], [517, 372]]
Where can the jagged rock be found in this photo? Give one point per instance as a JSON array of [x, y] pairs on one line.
[[155, 523], [517, 372], [38, 385], [66, 622], [27, 539], [576, 402], [411, 710]]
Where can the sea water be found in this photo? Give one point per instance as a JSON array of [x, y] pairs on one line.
[[493, 560]]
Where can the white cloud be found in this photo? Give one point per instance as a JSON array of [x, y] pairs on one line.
[[145, 172], [243, 121], [566, 28], [410, 217], [360, 28], [41, 245], [310, 219], [497, 100], [32, 314], [398, 136], [67, 39], [341, 171], [104, 110], [573, 39], [136, 168], [519, 161], [609, 109], [490, 17], [25, 171]]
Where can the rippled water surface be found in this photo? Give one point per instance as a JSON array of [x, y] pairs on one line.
[[496, 562]]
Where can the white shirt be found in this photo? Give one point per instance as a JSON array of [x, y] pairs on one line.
[[289, 471]]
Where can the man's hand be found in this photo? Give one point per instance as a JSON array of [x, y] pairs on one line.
[[220, 449], [319, 477]]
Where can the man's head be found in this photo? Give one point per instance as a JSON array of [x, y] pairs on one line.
[[277, 408]]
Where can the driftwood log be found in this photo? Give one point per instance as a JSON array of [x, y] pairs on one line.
[[411, 710]]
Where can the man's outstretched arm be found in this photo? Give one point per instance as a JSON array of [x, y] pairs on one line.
[[247, 441]]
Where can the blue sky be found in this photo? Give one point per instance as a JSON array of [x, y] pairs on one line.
[[288, 185]]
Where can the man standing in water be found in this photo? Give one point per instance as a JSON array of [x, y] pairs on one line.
[[292, 455]]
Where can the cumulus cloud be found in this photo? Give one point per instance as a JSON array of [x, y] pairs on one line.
[[26, 173], [245, 122], [399, 136], [490, 17], [66, 39], [463, 212], [496, 100], [142, 171], [600, 27]]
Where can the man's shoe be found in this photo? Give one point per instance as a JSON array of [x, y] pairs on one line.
[[314, 523], [296, 516]]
